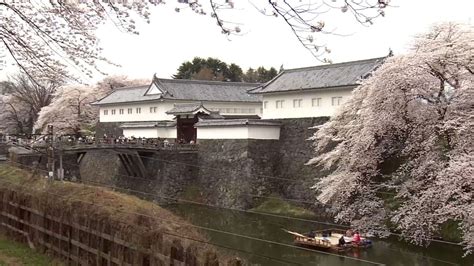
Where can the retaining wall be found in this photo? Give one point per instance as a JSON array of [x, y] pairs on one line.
[[79, 239], [294, 151], [233, 172]]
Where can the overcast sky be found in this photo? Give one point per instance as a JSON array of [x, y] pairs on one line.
[[172, 38]]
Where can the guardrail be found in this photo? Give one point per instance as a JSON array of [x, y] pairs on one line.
[[147, 146], [107, 144]]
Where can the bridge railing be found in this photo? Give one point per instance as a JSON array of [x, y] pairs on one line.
[[132, 145], [70, 143]]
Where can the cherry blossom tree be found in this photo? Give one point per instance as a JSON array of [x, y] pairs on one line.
[[14, 116], [48, 38], [21, 100], [401, 151], [71, 111]]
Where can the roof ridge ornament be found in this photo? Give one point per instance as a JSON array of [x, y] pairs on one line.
[[157, 87]]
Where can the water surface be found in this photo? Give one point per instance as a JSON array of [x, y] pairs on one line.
[[387, 252]]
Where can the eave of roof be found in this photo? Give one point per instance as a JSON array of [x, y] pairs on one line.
[[192, 108], [342, 87], [236, 122], [150, 124]]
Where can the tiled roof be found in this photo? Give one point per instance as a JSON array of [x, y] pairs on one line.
[[128, 94], [180, 89], [200, 90], [186, 108], [149, 124], [235, 122], [320, 77]]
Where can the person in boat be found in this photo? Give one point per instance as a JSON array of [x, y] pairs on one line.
[[311, 234], [356, 238], [349, 233], [326, 233], [341, 242]]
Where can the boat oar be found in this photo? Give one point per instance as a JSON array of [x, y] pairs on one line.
[[293, 233]]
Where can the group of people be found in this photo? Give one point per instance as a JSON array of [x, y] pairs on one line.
[[350, 237], [90, 139], [77, 139], [134, 140], [144, 141]]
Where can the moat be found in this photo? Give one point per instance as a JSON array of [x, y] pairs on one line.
[[389, 251]]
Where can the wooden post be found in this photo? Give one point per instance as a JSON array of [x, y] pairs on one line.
[[50, 153], [112, 243], [88, 238], [121, 254], [69, 245], [60, 246], [100, 245], [61, 169], [78, 253]]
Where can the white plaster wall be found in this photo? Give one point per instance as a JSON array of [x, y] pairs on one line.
[[307, 109], [264, 132], [238, 132], [235, 108], [226, 108], [145, 114], [161, 132], [166, 132], [140, 132]]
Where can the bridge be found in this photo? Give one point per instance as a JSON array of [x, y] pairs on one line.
[[134, 156], [84, 147]]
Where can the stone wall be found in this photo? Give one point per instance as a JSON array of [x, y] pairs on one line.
[[3, 149], [101, 166], [167, 172], [232, 171], [170, 172], [237, 169], [294, 151]]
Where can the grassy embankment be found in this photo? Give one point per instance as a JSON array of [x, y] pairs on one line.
[[273, 204], [276, 205], [126, 214], [13, 253], [80, 199]]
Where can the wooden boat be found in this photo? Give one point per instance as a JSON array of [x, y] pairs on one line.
[[327, 240]]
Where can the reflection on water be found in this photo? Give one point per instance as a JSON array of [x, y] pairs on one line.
[[388, 252]]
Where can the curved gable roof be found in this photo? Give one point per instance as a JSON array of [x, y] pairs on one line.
[[201, 90], [181, 89]]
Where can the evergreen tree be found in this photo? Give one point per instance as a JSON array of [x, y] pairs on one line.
[[215, 69]]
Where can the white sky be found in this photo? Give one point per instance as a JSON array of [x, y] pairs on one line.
[[173, 38]]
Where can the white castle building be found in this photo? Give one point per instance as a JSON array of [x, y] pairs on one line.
[[169, 108], [312, 91], [190, 110]]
